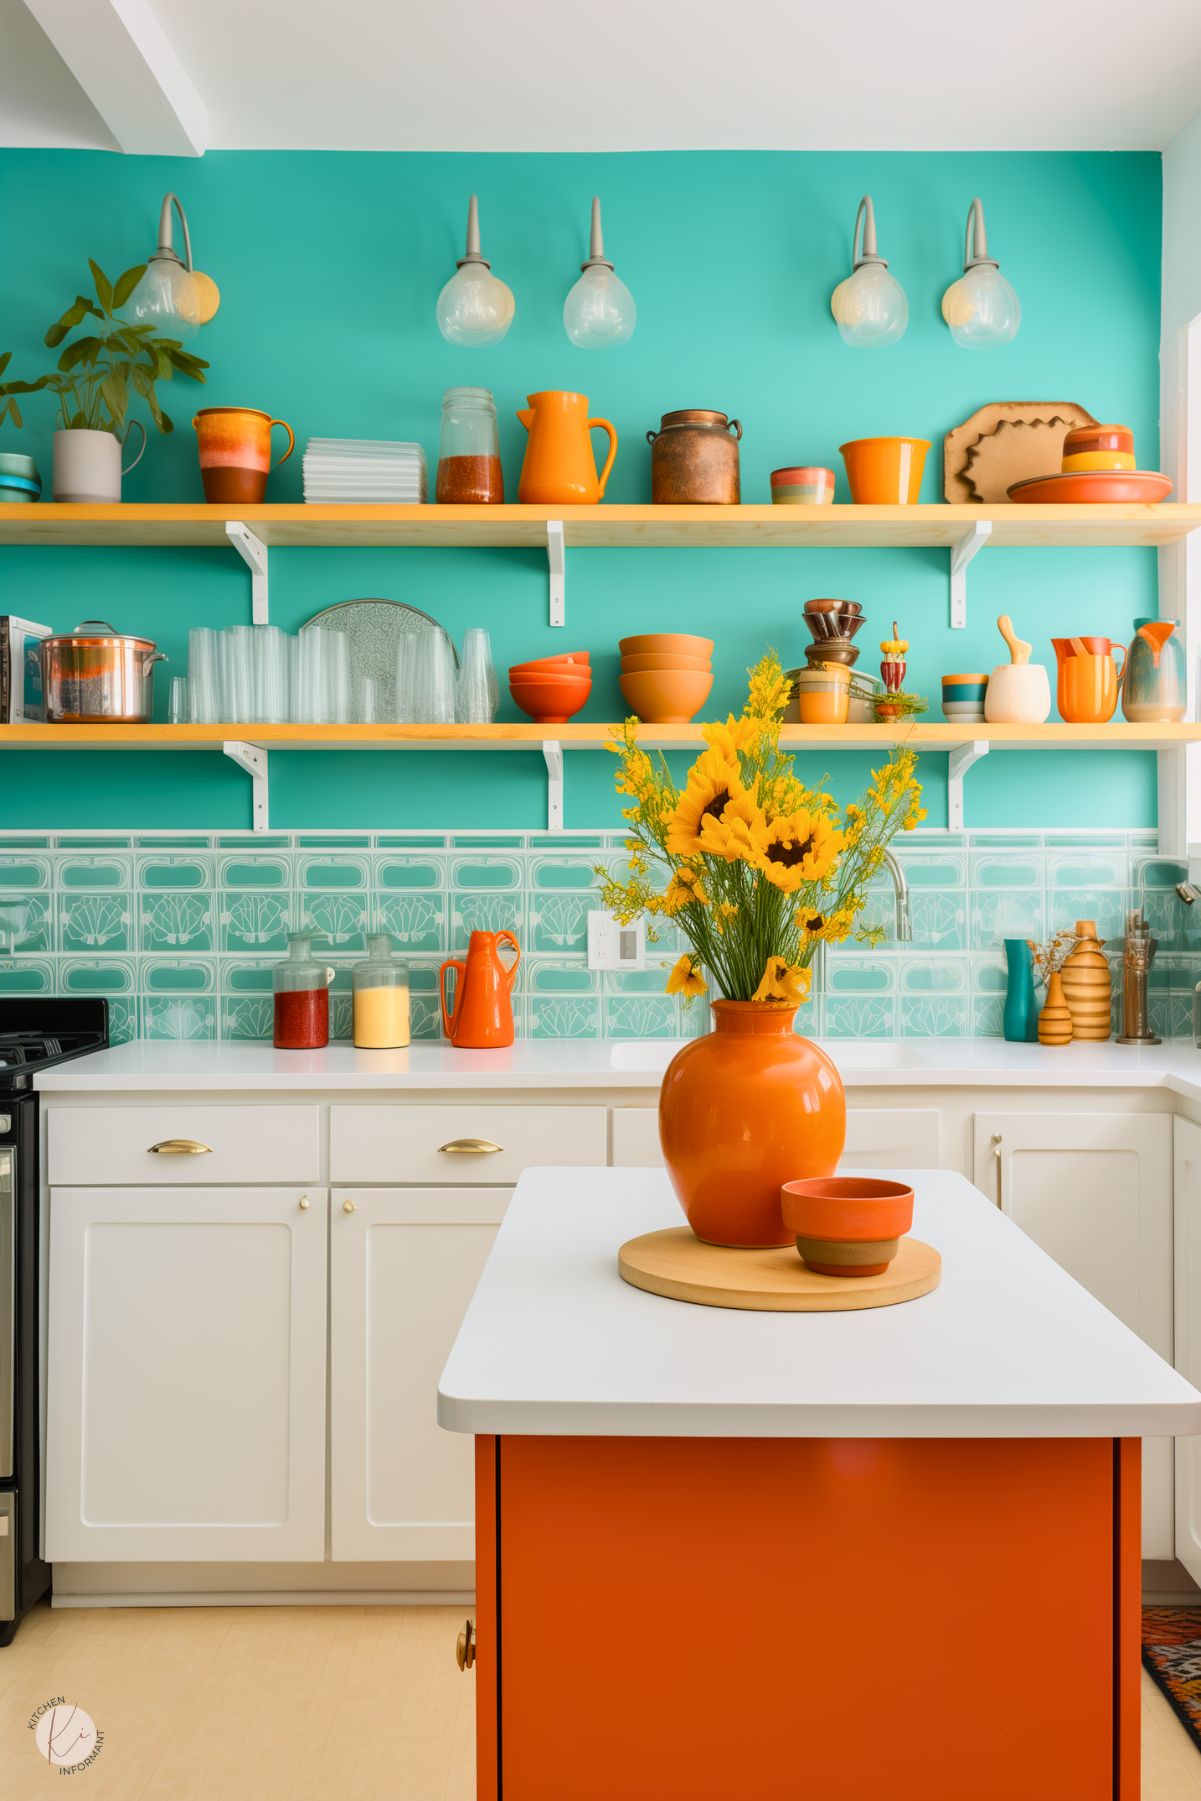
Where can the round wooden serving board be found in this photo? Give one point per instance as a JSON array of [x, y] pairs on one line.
[[678, 1266]]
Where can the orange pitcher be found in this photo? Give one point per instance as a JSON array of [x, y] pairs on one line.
[[1089, 679], [482, 1016], [559, 466]]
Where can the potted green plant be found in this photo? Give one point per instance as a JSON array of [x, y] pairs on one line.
[[95, 379]]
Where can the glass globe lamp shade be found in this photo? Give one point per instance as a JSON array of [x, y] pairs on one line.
[[870, 307], [981, 308], [168, 297], [475, 308], [599, 312]]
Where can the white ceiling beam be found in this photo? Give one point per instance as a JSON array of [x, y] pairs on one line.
[[119, 55]]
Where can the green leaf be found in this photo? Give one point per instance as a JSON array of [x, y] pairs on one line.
[[104, 287], [5, 360], [143, 381], [77, 352], [116, 395], [126, 284], [27, 387], [79, 309]]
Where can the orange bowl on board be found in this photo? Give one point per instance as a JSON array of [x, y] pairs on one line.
[[1084, 438], [670, 641], [847, 1225], [885, 471], [666, 696], [664, 659]]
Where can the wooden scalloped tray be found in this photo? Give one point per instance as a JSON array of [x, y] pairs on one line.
[[676, 1265]]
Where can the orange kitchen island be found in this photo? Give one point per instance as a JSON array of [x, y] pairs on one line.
[[873, 1556]]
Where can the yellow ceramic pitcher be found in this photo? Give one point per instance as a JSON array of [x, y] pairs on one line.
[[559, 466]]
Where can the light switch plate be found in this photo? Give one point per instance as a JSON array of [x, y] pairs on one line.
[[614, 946]]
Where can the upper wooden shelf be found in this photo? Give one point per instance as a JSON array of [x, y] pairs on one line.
[[629, 527]]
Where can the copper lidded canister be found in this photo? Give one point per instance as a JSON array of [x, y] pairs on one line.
[[694, 459], [98, 676]]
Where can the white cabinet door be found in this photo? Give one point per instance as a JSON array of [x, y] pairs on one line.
[[877, 1138], [1095, 1191], [186, 1404], [404, 1265], [1187, 1209]]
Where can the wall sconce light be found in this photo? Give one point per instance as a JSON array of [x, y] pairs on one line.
[[475, 308], [172, 296], [870, 305], [981, 308], [599, 312]]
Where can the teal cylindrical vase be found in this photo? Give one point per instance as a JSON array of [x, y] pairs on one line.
[[1021, 1008]]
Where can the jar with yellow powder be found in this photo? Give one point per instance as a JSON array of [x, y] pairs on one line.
[[381, 998]]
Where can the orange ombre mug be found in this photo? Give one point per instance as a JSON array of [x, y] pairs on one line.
[[559, 466], [1089, 679], [482, 1016], [235, 453], [885, 472]]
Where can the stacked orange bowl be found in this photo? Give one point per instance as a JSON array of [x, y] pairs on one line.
[[666, 676], [552, 689]]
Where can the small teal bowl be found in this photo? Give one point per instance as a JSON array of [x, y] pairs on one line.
[[964, 691]]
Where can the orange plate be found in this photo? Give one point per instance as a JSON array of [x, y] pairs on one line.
[[1104, 487]]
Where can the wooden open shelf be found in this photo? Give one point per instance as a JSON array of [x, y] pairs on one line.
[[933, 737], [615, 527]]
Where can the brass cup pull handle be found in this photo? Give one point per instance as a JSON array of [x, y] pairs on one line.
[[997, 1141], [465, 1647], [179, 1147], [471, 1147]]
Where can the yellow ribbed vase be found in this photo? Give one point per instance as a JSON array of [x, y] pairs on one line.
[[1087, 986]]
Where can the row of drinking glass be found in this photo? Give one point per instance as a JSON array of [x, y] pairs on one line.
[[259, 675]]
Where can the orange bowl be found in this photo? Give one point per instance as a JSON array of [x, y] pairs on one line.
[[666, 696], [669, 641], [577, 660], [550, 700], [847, 1225], [885, 471], [664, 659]]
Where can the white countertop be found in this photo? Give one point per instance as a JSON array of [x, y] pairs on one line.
[[1008, 1345], [541, 1063]]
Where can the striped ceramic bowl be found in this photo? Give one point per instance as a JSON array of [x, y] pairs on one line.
[[808, 487]]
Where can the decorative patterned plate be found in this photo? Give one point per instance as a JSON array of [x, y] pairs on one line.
[[1099, 487], [375, 628]]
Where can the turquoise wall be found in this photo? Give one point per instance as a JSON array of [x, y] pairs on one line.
[[329, 266]]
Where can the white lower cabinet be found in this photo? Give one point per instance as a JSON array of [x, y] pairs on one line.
[[1187, 1211], [186, 1404], [404, 1265], [1095, 1191]]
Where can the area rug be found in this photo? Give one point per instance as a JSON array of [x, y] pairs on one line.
[[1172, 1657]]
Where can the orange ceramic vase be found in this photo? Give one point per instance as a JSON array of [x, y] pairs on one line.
[[743, 1110], [235, 452], [559, 464], [482, 1016]]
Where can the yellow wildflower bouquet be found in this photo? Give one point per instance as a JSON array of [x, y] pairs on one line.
[[754, 868]]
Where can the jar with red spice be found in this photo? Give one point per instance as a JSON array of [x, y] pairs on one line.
[[469, 471], [301, 997]]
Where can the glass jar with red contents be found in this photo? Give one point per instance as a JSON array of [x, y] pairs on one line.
[[469, 470], [301, 997]]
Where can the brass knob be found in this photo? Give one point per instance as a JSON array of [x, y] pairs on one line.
[[465, 1647], [348, 1205], [304, 1203]]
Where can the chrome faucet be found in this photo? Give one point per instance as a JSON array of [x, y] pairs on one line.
[[903, 932]]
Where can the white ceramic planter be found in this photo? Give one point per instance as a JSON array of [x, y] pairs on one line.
[[87, 465]]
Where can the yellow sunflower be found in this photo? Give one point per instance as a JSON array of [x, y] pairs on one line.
[[734, 835], [732, 738], [798, 848], [684, 888], [686, 977], [832, 928], [713, 781], [783, 981]]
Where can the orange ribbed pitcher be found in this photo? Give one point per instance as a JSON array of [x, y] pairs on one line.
[[1089, 679], [482, 1016]]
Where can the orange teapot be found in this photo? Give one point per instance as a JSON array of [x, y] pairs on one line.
[[482, 1016], [559, 466], [1089, 679]]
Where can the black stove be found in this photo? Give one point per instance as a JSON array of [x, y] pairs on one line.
[[35, 1034]]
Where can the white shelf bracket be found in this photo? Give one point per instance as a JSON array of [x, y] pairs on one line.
[[958, 764], [253, 759], [556, 555], [253, 553], [552, 751], [962, 553]]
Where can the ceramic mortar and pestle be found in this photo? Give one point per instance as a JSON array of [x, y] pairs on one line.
[[1018, 692]]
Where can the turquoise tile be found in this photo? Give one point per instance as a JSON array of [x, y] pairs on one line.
[[102, 922], [338, 921], [933, 1016], [169, 976], [489, 912], [575, 874], [871, 1017], [1006, 869], [987, 1015], [247, 1016], [932, 976], [24, 872], [27, 975], [934, 870], [544, 975], [564, 1018], [413, 922], [559, 922], [88, 874], [646, 1016], [261, 841], [999, 915], [1087, 867], [257, 921], [341, 1016], [174, 871], [333, 873], [425, 1016], [652, 980], [122, 1018], [938, 918], [26, 922], [22, 843], [246, 871], [176, 922], [107, 975], [1106, 906], [329, 841], [415, 841], [866, 974], [156, 846], [71, 841], [178, 1018], [403, 874], [486, 873], [243, 979]]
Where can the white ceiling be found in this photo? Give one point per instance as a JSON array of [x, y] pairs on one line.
[[629, 75]]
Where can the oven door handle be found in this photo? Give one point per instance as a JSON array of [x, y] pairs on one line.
[[8, 1313]]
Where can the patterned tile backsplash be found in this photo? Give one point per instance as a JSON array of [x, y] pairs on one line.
[[182, 933]]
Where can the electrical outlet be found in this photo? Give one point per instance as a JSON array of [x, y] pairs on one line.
[[614, 946]]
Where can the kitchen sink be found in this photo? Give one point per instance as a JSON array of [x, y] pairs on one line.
[[847, 1053]]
